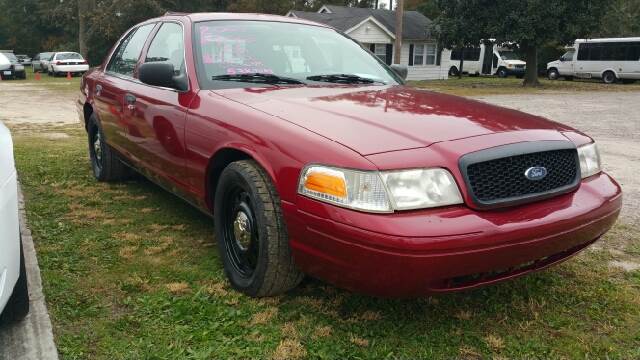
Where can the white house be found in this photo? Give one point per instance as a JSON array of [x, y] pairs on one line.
[[375, 28]]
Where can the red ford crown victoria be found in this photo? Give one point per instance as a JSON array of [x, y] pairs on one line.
[[314, 158]]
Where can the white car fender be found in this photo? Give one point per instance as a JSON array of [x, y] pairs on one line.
[[9, 223]]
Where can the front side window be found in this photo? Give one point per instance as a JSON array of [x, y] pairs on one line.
[[125, 58], [509, 55], [168, 46], [283, 49], [568, 56]]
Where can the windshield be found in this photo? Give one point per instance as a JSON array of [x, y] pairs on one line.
[[509, 55], [68, 56], [288, 50]]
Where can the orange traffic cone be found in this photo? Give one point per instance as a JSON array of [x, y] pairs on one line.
[[38, 76], [68, 75]]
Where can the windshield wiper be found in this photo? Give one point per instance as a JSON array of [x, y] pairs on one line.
[[343, 79], [260, 78]]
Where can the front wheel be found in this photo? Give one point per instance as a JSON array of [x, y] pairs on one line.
[[105, 163], [609, 77], [453, 71], [502, 73], [553, 74], [251, 233]]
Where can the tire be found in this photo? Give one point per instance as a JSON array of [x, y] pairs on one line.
[[17, 307], [105, 163], [553, 74], [251, 233], [453, 71], [502, 73], [609, 77]]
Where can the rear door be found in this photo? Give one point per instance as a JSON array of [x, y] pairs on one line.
[[114, 83], [156, 116]]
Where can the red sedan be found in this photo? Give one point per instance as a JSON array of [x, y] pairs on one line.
[[314, 158]]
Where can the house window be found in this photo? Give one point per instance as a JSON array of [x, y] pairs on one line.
[[380, 51], [418, 54], [424, 54], [431, 54]]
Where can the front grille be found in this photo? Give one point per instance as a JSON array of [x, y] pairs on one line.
[[503, 180], [520, 66]]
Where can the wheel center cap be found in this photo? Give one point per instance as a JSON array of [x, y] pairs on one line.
[[242, 230]]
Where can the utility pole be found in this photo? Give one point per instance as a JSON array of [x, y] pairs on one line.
[[399, 21]]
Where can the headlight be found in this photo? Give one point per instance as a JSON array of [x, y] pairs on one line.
[[421, 188], [375, 191], [589, 160], [509, 65]]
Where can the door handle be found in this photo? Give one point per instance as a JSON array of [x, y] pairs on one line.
[[98, 89], [130, 99]]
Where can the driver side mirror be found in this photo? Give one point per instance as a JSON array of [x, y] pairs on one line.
[[162, 74], [562, 59], [401, 70]]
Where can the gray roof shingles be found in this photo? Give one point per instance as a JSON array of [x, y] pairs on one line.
[[415, 26]]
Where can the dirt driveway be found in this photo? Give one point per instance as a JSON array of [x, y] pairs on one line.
[[611, 118]]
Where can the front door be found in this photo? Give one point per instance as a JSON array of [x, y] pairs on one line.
[[110, 88], [156, 116]]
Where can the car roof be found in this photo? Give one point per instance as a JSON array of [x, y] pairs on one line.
[[197, 17]]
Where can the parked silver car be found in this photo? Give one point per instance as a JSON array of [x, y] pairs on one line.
[[40, 62], [24, 60]]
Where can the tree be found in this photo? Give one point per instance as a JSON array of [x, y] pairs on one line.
[[528, 24], [454, 28]]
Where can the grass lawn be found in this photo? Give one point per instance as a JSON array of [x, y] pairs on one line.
[[478, 86], [132, 272]]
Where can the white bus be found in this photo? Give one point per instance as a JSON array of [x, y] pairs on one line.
[[487, 60], [607, 59]]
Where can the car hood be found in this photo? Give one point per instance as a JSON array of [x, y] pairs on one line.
[[375, 119]]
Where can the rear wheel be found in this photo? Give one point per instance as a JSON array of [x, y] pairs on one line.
[[553, 74], [453, 71], [18, 305], [609, 77], [251, 233], [105, 163]]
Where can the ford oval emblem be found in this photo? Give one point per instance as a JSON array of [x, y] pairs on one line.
[[536, 173]]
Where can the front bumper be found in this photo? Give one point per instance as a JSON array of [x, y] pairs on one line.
[[447, 249], [516, 71]]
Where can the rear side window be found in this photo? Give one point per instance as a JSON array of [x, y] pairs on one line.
[[168, 46], [126, 56]]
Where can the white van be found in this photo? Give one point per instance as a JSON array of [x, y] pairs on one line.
[[487, 60], [607, 59]]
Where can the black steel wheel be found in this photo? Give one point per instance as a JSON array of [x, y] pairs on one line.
[[251, 233], [105, 163], [240, 230]]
